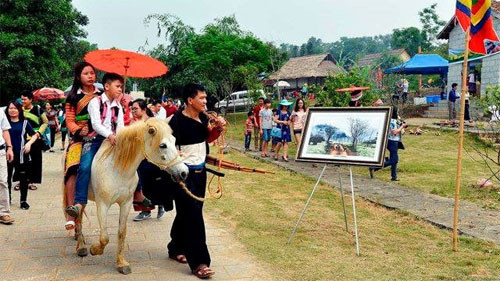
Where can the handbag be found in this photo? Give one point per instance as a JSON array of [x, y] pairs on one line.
[[43, 142], [276, 132], [400, 145]]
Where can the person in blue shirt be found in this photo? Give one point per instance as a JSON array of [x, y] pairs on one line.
[[394, 137], [452, 98]]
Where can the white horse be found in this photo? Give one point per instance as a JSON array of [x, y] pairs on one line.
[[114, 177]]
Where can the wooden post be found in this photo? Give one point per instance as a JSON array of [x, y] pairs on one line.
[[460, 140], [419, 76]]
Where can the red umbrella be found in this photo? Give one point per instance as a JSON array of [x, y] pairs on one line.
[[125, 63], [352, 89], [48, 94]]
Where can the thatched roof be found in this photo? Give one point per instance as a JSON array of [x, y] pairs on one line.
[[372, 58], [445, 32], [308, 66]]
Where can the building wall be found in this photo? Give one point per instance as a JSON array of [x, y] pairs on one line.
[[298, 83], [454, 75], [404, 57], [490, 72]]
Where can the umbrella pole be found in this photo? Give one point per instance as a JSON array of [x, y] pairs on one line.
[[125, 76], [460, 140]]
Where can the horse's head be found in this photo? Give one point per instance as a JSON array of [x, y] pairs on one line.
[[159, 149]]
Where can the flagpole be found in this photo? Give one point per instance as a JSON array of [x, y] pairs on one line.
[[460, 140]]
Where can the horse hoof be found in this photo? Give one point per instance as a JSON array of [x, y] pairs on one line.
[[82, 252], [124, 270], [94, 250]]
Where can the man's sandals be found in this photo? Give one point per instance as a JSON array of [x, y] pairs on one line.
[[203, 271], [178, 258]]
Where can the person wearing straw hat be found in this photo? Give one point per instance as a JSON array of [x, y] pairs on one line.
[[355, 98], [283, 122], [356, 94]]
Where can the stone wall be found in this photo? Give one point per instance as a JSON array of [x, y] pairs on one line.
[[454, 75], [490, 72], [457, 39]]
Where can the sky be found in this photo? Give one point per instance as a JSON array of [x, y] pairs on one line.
[[119, 23]]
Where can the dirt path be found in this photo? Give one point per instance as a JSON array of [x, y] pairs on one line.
[[37, 247]]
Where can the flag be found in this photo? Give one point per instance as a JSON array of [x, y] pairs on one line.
[[463, 13], [482, 28]]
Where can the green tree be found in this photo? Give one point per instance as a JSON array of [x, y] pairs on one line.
[[357, 77], [410, 39], [34, 36], [387, 60], [431, 23], [222, 57]]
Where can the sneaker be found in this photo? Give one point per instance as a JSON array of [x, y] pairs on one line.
[[394, 179], [25, 205], [51, 150], [6, 219], [143, 216], [161, 211]]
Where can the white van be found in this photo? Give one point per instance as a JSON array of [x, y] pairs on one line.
[[236, 101]]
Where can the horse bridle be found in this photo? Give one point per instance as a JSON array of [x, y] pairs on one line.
[[170, 164]]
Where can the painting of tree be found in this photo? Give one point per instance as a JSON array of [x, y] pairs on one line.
[[359, 130]]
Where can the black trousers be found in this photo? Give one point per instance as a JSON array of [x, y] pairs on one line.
[[21, 174], [188, 230], [36, 162], [467, 112], [52, 137]]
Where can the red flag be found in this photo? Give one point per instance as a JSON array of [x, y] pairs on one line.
[[462, 13], [482, 28]]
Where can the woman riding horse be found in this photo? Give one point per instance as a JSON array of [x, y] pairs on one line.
[[77, 122]]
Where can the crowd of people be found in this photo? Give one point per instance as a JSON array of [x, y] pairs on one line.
[[276, 126], [91, 116]]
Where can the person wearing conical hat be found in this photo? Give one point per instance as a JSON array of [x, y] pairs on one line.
[[356, 94], [355, 98]]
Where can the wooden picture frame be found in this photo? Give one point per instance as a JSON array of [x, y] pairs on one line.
[[353, 136]]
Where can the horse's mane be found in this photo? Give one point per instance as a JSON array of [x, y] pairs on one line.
[[130, 140]]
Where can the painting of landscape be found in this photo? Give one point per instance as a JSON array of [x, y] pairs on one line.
[[354, 136]]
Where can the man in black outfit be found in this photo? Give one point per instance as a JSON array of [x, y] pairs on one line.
[[193, 133]]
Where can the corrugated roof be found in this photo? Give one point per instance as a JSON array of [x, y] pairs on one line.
[[308, 66], [371, 58]]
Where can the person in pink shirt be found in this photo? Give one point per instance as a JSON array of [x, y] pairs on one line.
[[298, 119], [257, 134]]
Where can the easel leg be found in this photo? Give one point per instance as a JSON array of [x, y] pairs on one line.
[[342, 196], [307, 204], [354, 212]]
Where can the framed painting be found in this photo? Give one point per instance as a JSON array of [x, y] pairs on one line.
[[345, 136]]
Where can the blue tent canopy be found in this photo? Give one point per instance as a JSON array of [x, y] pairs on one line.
[[422, 64]]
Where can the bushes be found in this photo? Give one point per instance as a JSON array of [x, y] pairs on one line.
[[357, 77]]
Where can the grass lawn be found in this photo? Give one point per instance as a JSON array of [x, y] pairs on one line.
[[262, 210], [428, 163]]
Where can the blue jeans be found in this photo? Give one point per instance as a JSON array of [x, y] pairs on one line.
[[248, 138], [89, 150], [393, 158]]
